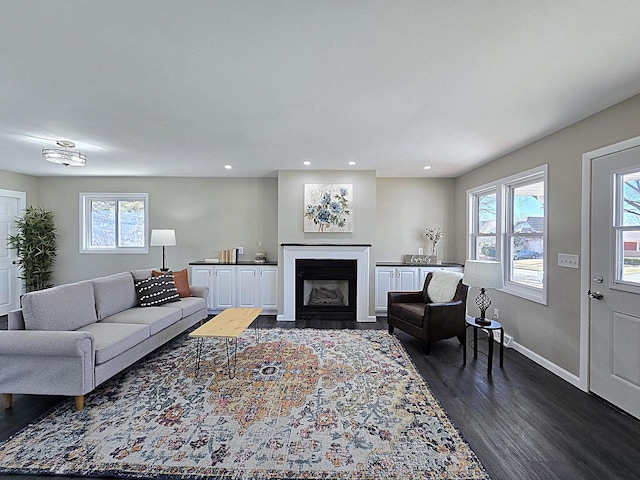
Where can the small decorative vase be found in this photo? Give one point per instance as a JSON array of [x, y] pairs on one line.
[[261, 254]]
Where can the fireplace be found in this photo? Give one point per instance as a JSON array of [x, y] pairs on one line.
[[326, 289], [359, 253]]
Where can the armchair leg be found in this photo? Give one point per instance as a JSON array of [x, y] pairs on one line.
[[391, 329], [6, 400], [427, 348], [79, 402]]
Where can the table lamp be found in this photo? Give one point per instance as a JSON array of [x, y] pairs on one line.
[[483, 274], [163, 238]]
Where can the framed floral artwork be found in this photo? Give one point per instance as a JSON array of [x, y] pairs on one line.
[[328, 207]]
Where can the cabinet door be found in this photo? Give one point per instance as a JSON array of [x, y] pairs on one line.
[[268, 288], [248, 287], [224, 288], [202, 275], [407, 279], [385, 282]]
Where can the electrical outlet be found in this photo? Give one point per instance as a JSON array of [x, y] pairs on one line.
[[496, 314], [568, 260], [240, 250], [421, 251]]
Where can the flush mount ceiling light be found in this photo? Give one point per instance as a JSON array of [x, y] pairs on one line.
[[64, 156]]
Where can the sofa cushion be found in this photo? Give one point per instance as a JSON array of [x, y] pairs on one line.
[[180, 278], [443, 286], [65, 307], [188, 305], [114, 294], [154, 291], [141, 274], [412, 313], [114, 338], [156, 318]]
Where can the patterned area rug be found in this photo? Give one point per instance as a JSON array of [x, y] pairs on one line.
[[305, 404]]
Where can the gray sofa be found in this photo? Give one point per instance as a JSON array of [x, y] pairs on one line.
[[68, 339]]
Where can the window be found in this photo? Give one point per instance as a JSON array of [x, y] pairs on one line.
[[626, 224], [508, 223], [113, 222]]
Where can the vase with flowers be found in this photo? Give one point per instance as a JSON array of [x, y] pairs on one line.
[[434, 235]]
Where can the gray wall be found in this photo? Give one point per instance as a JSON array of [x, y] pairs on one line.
[[405, 207], [21, 183], [551, 331], [208, 214]]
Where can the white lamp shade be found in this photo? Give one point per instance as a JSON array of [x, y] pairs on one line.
[[163, 238], [483, 274]]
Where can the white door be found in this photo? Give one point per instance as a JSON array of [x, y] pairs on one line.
[[268, 288], [224, 288], [248, 286], [10, 285], [407, 279], [615, 279], [385, 282]]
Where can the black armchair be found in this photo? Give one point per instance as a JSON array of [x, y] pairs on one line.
[[416, 314]]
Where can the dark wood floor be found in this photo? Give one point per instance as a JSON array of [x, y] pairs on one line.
[[523, 422]]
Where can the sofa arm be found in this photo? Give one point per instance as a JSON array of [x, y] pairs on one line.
[[47, 362], [201, 291]]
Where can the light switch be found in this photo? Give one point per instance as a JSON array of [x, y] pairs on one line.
[[568, 260]]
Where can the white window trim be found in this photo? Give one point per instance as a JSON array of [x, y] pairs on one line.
[[86, 197], [502, 189]]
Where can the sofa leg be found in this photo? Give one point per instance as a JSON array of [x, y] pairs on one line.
[[79, 402], [391, 329], [6, 400], [460, 339], [427, 348]]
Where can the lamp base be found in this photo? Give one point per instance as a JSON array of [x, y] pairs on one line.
[[483, 321], [164, 269]]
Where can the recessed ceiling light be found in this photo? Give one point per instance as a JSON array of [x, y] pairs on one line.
[[352, 163], [427, 167], [307, 162], [228, 167]]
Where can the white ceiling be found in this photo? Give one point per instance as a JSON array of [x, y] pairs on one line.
[[181, 88]]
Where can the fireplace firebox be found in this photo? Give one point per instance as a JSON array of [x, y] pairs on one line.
[[326, 289]]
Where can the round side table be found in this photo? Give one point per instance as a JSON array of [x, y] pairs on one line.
[[471, 322]]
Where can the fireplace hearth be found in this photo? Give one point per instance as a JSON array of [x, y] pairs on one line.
[[326, 289]]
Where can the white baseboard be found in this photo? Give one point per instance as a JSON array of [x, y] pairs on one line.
[[552, 367]]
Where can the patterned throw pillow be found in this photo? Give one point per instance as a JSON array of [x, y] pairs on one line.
[[154, 291]]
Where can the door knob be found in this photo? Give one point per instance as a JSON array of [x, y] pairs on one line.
[[595, 295]]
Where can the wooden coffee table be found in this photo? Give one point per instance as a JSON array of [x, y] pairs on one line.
[[229, 324]]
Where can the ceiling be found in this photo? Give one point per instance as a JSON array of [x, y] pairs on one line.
[[181, 88]]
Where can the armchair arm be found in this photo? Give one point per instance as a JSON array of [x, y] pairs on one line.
[[47, 362]]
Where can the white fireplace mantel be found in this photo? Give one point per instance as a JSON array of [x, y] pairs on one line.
[[292, 252]]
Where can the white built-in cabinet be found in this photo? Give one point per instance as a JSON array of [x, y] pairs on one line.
[[247, 286], [403, 279]]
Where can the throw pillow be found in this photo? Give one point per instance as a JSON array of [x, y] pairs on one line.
[[154, 291], [181, 279]]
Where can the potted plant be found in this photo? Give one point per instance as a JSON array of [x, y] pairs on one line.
[[35, 242]]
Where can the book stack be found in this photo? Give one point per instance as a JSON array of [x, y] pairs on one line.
[[229, 256]]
